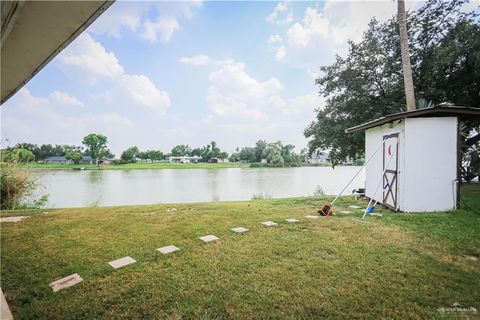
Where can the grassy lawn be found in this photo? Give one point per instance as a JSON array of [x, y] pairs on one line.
[[138, 165], [400, 266]]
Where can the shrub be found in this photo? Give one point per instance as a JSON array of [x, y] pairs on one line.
[[121, 161], [318, 192], [18, 187], [261, 196]]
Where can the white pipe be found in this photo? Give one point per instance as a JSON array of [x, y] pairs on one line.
[[381, 179]]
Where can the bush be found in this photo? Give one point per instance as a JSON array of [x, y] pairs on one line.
[[318, 192], [120, 161], [18, 188], [261, 196], [359, 162]]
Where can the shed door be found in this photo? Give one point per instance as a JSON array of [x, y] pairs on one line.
[[390, 167]]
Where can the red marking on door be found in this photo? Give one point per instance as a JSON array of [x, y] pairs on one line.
[[389, 150]]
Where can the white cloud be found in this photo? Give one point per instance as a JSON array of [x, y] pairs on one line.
[[203, 60], [139, 90], [152, 21], [44, 121], [87, 60], [315, 38], [88, 57], [313, 24], [233, 93], [65, 99], [122, 15], [305, 104], [109, 118], [274, 38], [471, 5], [162, 29], [198, 60], [282, 14], [280, 53]]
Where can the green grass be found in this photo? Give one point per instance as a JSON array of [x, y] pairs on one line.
[[139, 165], [400, 266]]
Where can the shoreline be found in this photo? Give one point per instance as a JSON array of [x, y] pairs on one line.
[[158, 166]]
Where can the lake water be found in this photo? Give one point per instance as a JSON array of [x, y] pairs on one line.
[[69, 188]]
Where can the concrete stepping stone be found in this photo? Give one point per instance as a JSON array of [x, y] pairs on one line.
[[471, 258], [346, 212], [13, 219], [209, 238], [66, 282], [354, 207], [122, 262], [291, 220], [269, 223], [168, 249], [5, 313], [312, 217], [239, 229]]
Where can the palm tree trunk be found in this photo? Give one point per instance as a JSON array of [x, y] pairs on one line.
[[407, 68]]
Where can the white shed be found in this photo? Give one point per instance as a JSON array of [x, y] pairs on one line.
[[416, 158]]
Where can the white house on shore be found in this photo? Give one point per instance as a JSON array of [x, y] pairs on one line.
[[184, 159], [415, 158]]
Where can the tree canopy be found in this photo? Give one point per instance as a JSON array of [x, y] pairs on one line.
[[276, 154], [181, 150], [97, 145], [74, 156], [368, 82]]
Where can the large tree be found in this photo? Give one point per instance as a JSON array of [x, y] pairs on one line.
[[97, 145], [74, 156], [181, 150], [368, 82], [131, 154]]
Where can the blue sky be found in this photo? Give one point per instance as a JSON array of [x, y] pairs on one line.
[[158, 74]]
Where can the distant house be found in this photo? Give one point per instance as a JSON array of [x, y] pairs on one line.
[[63, 160], [194, 159], [56, 160], [86, 160], [318, 158], [104, 160]]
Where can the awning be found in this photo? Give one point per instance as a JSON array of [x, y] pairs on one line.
[[34, 32]]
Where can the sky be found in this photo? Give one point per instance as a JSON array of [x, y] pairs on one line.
[[158, 74]]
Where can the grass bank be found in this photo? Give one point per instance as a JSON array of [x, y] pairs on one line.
[[400, 266], [141, 166]]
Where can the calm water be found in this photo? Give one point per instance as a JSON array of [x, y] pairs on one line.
[[69, 188]]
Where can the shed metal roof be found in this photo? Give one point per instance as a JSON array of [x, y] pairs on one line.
[[437, 111]]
